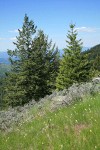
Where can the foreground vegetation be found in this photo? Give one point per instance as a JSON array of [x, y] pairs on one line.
[[75, 127]]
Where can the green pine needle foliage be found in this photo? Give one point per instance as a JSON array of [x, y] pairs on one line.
[[34, 66], [74, 67]]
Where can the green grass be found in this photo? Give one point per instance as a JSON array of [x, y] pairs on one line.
[[76, 127]]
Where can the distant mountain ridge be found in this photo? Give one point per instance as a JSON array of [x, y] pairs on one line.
[[94, 51], [3, 54], [83, 49], [4, 58], [4, 63]]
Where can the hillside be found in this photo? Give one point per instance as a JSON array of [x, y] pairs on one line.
[[64, 120], [94, 56], [4, 63], [3, 69], [76, 127], [94, 51]]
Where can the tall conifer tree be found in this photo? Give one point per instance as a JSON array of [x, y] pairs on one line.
[[34, 66], [44, 64], [16, 81], [74, 66]]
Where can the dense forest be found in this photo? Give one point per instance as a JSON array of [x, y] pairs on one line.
[[36, 68]]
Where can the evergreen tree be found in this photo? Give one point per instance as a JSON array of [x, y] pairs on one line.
[[96, 66], [44, 68], [34, 66], [96, 63], [74, 66], [16, 80]]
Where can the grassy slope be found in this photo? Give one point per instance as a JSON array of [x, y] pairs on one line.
[[76, 127]]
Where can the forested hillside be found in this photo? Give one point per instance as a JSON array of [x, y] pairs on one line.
[[94, 51], [3, 69], [94, 55]]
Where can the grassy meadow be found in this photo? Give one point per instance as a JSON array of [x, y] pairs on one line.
[[76, 127]]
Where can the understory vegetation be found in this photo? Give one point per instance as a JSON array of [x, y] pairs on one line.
[[76, 126], [13, 116]]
